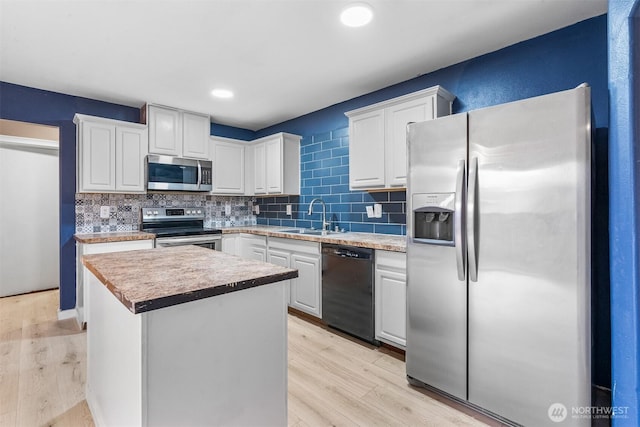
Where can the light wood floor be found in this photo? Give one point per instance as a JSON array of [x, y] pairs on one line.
[[333, 380]]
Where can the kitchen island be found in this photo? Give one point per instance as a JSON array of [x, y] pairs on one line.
[[186, 336]]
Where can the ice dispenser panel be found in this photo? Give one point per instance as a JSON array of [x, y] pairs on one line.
[[433, 218]]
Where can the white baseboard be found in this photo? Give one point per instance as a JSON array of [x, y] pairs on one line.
[[67, 314]]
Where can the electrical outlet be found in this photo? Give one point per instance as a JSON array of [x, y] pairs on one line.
[[377, 210], [256, 209], [227, 209], [104, 212], [289, 210]]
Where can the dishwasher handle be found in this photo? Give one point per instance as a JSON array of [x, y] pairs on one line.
[[347, 252]]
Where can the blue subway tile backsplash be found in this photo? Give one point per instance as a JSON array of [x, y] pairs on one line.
[[324, 166]]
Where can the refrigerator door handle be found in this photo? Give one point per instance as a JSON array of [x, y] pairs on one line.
[[458, 217], [472, 220]]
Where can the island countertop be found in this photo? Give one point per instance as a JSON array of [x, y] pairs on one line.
[[151, 279]]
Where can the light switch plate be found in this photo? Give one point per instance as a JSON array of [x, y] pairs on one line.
[[227, 209], [288, 209], [104, 212]]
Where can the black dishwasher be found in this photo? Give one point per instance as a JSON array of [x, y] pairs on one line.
[[347, 290]]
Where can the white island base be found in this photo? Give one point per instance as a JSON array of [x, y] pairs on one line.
[[218, 361]]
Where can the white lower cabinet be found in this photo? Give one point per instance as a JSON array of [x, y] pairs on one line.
[[231, 244], [391, 298], [305, 291], [82, 275], [252, 247]]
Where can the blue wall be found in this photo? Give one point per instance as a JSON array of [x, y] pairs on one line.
[[624, 39]]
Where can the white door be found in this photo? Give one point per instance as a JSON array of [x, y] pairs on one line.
[[98, 157], [165, 131], [260, 159], [305, 289], [397, 117], [195, 135], [228, 170], [366, 150], [131, 149], [274, 166], [29, 217]]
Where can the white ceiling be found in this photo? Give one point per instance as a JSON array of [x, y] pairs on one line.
[[283, 58]]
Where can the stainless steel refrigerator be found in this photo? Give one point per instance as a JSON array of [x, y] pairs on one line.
[[498, 258]]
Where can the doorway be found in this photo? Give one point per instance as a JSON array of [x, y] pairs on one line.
[[29, 207]]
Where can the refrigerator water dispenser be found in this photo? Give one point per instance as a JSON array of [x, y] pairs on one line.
[[433, 218]]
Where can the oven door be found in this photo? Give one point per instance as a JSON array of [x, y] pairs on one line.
[[206, 241]]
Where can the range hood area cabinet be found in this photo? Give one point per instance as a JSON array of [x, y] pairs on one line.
[[272, 165], [110, 155], [377, 137], [174, 132]]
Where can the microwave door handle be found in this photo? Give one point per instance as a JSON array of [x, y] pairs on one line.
[[199, 174]]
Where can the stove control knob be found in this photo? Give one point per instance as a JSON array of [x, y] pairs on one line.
[[188, 212], [155, 212], [199, 212]]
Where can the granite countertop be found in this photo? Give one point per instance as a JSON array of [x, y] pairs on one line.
[[151, 279], [387, 242], [123, 236]]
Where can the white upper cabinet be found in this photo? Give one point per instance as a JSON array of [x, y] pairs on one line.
[[196, 129], [366, 150], [276, 164], [259, 168], [377, 137], [110, 155], [165, 131], [174, 132], [131, 150], [228, 165]]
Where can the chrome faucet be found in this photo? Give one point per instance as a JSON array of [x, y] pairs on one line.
[[325, 223]]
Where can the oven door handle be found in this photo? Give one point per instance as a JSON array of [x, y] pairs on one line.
[[187, 240]]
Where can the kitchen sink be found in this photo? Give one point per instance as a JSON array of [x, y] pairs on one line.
[[308, 231]]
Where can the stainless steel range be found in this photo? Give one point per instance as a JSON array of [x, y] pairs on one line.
[[180, 226]]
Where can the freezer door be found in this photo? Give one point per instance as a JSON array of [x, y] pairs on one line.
[[529, 258], [436, 352]]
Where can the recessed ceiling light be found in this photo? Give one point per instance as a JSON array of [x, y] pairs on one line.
[[356, 15], [222, 93]]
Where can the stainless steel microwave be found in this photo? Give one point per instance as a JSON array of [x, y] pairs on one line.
[[178, 174]]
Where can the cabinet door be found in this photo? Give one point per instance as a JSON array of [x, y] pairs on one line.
[[230, 244], [131, 149], [165, 131], [305, 289], [281, 258], [259, 161], [228, 167], [195, 135], [396, 119], [98, 156], [274, 166], [253, 247], [366, 150], [391, 297]]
